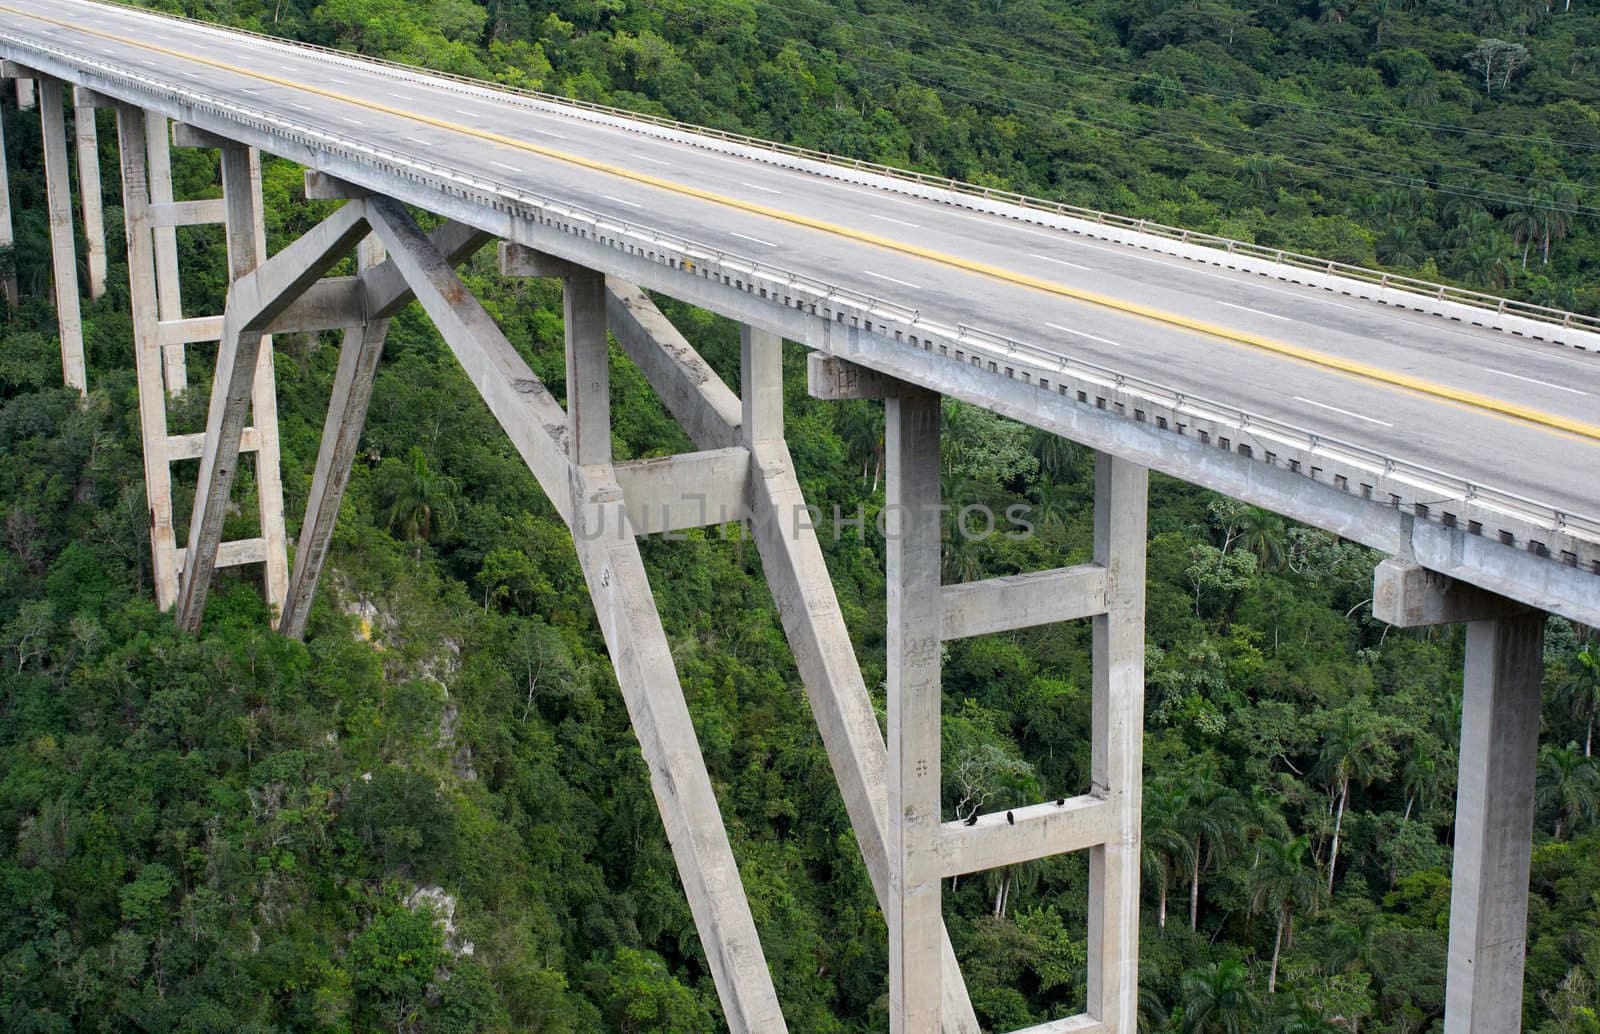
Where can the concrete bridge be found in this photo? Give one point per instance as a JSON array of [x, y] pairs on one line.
[[1457, 432]]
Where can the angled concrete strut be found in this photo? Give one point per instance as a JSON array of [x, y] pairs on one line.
[[569, 454]]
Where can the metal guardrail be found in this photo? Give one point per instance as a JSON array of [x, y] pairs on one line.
[[1383, 280], [700, 258]]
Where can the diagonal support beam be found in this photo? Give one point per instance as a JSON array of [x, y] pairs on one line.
[[591, 500], [380, 291], [798, 576], [259, 293], [522, 405]]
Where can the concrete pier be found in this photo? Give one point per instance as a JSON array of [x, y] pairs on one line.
[[1494, 789]]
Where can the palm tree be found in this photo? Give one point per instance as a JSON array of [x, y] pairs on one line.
[[1262, 533], [1399, 245], [1307, 1017], [414, 499], [1218, 999], [1422, 776], [1056, 455], [1523, 224], [1557, 203], [1283, 884], [1210, 816], [1164, 849], [1569, 785], [1481, 264], [1352, 753], [861, 427], [1582, 691], [1003, 881]]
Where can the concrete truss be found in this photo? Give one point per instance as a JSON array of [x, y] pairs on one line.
[[159, 366], [743, 472]]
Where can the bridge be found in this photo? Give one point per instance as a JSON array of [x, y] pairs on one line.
[[1454, 431]]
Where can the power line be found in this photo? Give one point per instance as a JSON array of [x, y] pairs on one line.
[[998, 102], [835, 20]]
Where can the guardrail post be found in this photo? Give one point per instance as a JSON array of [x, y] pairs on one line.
[[63, 243]]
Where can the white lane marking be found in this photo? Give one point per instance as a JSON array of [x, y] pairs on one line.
[[352, 121], [1079, 333], [654, 161], [622, 201], [747, 237], [1060, 262], [503, 165], [302, 107], [891, 279], [757, 186], [1531, 380], [551, 132], [415, 140], [1258, 312], [1343, 412], [901, 222]]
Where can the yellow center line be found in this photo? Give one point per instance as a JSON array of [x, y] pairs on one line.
[[1406, 382]]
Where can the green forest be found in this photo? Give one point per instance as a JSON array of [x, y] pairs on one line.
[[432, 815]]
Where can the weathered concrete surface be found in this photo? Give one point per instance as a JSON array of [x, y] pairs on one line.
[[1494, 825], [1121, 489], [94, 223], [914, 532], [63, 241], [591, 500], [1407, 595], [132, 140], [798, 577], [259, 293], [1023, 601]]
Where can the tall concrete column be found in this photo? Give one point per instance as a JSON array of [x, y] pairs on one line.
[[8, 237], [94, 224], [1494, 825], [63, 245], [25, 101], [169, 297], [588, 372], [264, 414], [761, 384], [1117, 754], [1494, 790], [131, 141], [913, 528]]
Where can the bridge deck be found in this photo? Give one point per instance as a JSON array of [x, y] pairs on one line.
[[1499, 410]]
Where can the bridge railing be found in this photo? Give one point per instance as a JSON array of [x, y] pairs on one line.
[[1428, 491], [1564, 318]]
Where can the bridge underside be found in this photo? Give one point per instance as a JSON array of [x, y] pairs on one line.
[[743, 472]]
